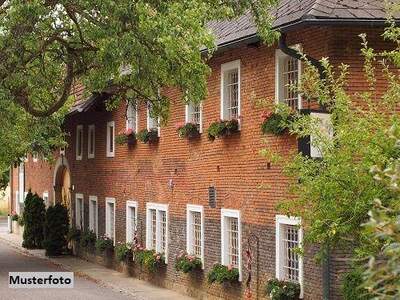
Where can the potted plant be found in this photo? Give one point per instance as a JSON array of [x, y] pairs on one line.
[[104, 245], [222, 128], [283, 290], [126, 137], [17, 222], [223, 274], [188, 130], [187, 263], [148, 136], [149, 259], [88, 240], [123, 252], [274, 123]]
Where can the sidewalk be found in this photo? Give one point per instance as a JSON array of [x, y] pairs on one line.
[[105, 277]]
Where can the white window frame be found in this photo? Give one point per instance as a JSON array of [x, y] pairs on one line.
[[225, 68], [187, 117], [157, 207], [279, 57], [110, 153], [189, 238], [108, 201], [46, 195], [77, 221], [135, 129], [148, 121], [129, 233], [91, 128], [282, 220], [79, 128], [17, 203], [91, 221], [230, 213], [35, 157]]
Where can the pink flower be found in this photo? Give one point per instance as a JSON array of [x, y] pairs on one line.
[[129, 132], [158, 257], [179, 125], [229, 267]]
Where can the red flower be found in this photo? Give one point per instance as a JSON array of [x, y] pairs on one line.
[[128, 132]]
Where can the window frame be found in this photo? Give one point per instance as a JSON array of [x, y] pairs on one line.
[[107, 231], [187, 117], [130, 204], [91, 221], [189, 238], [108, 152], [157, 207], [280, 221], [230, 213], [148, 120], [79, 128], [82, 216], [91, 128], [226, 67], [279, 56], [136, 117]]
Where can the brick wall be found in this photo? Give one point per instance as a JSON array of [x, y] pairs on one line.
[[243, 179]]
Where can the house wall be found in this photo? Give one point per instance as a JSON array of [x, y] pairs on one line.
[[243, 179]]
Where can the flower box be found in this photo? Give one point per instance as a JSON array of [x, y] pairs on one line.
[[283, 290], [187, 263], [188, 130], [150, 260], [223, 274], [148, 136], [223, 128], [126, 137], [274, 123]]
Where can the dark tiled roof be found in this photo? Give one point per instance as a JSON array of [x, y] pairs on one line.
[[292, 11]]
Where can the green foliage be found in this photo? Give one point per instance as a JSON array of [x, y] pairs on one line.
[[149, 259], [222, 128], [187, 263], [104, 244], [74, 234], [34, 218], [275, 123], [221, 274], [123, 252], [283, 290], [56, 230], [126, 137], [4, 179], [188, 130], [352, 285], [148, 137], [87, 239], [14, 216]]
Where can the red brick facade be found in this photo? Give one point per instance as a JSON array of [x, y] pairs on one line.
[[243, 179]]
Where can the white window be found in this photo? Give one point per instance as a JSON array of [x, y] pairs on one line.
[[79, 142], [287, 77], [152, 123], [79, 211], [326, 132], [131, 220], [231, 239], [111, 139], [230, 90], [131, 117], [46, 199], [289, 237], [93, 215], [110, 218], [157, 228], [194, 114], [35, 157], [91, 141], [195, 231]]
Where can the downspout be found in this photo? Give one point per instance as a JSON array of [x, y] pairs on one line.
[[317, 64]]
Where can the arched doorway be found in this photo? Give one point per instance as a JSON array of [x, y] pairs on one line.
[[62, 184]]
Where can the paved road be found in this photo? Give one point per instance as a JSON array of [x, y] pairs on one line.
[[11, 261]]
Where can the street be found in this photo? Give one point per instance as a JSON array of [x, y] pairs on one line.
[[12, 261]]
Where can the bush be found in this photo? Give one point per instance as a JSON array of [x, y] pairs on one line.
[[187, 263], [88, 239], [104, 243], [149, 259], [123, 252], [74, 234], [221, 274], [274, 124], [34, 218], [222, 128], [351, 286], [188, 130], [56, 230], [146, 136], [283, 290]]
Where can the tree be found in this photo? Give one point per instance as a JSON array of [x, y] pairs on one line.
[[34, 217], [129, 49], [56, 230]]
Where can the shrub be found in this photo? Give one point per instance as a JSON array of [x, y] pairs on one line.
[[146, 136], [282, 290], [34, 218], [187, 263], [14, 216], [88, 239], [126, 137], [351, 286], [222, 128], [149, 259], [123, 252], [56, 230], [104, 243], [74, 234], [188, 130], [221, 274], [274, 123]]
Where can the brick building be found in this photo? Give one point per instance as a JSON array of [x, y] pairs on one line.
[[216, 198]]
